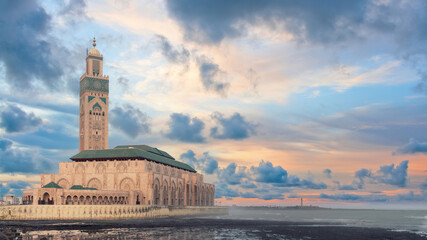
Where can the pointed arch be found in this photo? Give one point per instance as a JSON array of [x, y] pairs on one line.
[[64, 183], [165, 193], [101, 168], [156, 192], [127, 184], [94, 183]]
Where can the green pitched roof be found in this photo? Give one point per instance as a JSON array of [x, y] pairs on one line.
[[51, 185], [146, 148], [132, 152], [80, 187]]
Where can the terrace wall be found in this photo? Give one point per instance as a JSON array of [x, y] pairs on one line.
[[65, 212]]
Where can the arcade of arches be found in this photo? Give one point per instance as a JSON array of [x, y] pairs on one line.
[[131, 182]]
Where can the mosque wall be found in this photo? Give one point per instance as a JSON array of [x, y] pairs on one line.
[[145, 182]]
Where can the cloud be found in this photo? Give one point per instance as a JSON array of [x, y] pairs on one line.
[[413, 147], [177, 55], [130, 120], [265, 172], [14, 187], [18, 184], [73, 11], [222, 190], [391, 175], [423, 185], [422, 85], [123, 82], [212, 76], [356, 197], [235, 127], [387, 174], [309, 184], [401, 24], [5, 144], [211, 22], [340, 196], [344, 197], [327, 172], [271, 196], [327, 22], [248, 195], [346, 187], [206, 163], [411, 196], [361, 175], [3, 190], [232, 174], [25, 53], [185, 129], [246, 184], [189, 158], [14, 160], [14, 119]]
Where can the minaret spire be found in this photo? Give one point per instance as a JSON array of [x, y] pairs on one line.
[[94, 94]]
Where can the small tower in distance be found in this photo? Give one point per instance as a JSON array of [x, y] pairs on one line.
[[302, 204], [94, 91]]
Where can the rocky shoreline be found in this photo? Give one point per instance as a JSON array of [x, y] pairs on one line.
[[193, 228]]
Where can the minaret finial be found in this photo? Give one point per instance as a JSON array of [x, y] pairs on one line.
[[94, 42]]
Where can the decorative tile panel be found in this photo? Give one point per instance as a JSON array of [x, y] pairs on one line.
[[93, 84]]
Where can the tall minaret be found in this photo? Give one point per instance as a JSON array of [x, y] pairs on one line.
[[93, 103]]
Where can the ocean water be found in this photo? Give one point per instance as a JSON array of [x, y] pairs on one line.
[[398, 220], [241, 223]]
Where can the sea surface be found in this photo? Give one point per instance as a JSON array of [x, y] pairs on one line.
[[241, 223]]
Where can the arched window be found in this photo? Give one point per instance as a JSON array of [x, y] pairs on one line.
[[90, 112], [102, 113]]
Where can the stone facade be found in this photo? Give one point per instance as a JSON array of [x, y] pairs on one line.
[[123, 182]]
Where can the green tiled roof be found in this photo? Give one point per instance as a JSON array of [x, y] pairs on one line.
[[132, 152], [51, 185], [80, 187]]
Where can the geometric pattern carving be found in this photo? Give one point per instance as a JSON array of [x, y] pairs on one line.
[[94, 183], [80, 169], [64, 183], [93, 84], [100, 168], [127, 184]]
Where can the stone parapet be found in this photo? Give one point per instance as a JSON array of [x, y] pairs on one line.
[[100, 212]]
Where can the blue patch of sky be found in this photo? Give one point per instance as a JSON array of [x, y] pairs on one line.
[[329, 101], [48, 139]]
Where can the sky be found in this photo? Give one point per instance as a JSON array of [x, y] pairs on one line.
[[272, 100]]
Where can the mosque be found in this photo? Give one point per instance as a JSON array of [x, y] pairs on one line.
[[127, 174]]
